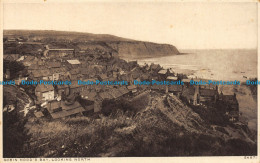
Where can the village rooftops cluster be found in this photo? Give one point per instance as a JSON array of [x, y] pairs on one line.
[[95, 64]]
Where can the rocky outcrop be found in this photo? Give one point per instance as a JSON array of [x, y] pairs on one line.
[[138, 49]]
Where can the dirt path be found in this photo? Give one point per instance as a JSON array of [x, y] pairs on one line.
[[28, 106]]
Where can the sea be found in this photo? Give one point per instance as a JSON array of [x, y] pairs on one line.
[[225, 65], [211, 64]]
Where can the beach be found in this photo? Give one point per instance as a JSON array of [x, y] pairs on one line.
[[211, 64]]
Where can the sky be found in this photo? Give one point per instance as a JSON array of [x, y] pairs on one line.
[[185, 25]]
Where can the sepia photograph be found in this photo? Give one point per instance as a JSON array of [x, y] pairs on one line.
[[129, 79]]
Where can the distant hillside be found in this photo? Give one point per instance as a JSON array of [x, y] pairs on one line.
[[126, 48], [66, 35]]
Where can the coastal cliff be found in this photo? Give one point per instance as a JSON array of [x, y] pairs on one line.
[[126, 48], [138, 49]]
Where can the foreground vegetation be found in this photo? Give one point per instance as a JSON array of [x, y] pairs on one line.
[[146, 132]]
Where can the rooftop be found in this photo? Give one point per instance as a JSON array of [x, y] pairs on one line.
[[175, 88], [38, 114], [70, 107], [105, 95], [44, 88], [115, 93], [207, 92], [53, 105], [123, 90], [54, 64], [172, 78], [186, 80], [65, 113], [74, 62], [60, 49], [162, 71], [41, 73]]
